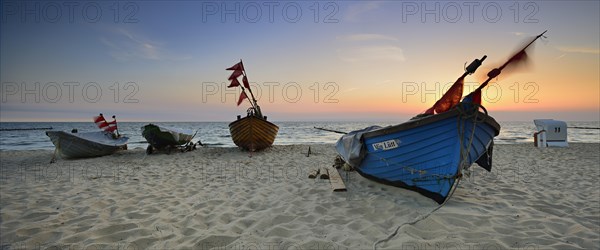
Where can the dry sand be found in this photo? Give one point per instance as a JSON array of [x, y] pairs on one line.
[[221, 198]]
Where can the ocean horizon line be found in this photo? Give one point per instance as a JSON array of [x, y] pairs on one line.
[[31, 135], [290, 121]]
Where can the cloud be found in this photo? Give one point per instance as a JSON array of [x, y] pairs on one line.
[[366, 37], [349, 90], [356, 11], [516, 33], [369, 47], [560, 57], [372, 53], [125, 45], [583, 50]]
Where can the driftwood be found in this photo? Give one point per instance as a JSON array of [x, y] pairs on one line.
[[314, 173], [324, 174], [337, 184]]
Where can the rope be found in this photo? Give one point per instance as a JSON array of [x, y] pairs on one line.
[[419, 219], [465, 114]]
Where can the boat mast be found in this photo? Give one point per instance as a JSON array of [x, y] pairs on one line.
[[244, 91], [253, 101], [116, 127]]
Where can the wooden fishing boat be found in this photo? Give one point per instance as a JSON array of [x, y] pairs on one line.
[[87, 144], [161, 137], [252, 132], [429, 153]]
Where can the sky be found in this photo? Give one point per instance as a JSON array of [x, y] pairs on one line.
[[306, 60]]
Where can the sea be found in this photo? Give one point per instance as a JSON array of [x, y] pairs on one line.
[[216, 134]]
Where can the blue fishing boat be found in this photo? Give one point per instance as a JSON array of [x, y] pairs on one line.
[[429, 153], [426, 154]]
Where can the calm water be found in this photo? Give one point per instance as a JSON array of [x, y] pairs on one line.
[[216, 134]]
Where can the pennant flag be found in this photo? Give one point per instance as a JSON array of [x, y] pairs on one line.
[[237, 67], [520, 61], [99, 119], [242, 97], [100, 122], [430, 111], [234, 83], [473, 97], [449, 99], [245, 80], [519, 57], [235, 74], [112, 126], [477, 96], [104, 125]]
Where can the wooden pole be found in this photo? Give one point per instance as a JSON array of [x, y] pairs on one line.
[[244, 91], [255, 104], [331, 130], [117, 127]]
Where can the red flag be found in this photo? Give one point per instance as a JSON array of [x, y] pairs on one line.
[[237, 67], [234, 83], [519, 57], [473, 97], [112, 126], [100, 122], [242, 97], [99, 119], [520, 61], [104, 125], [430, 111], [477, 96], [449, 99], [235, 74], [245, 80]]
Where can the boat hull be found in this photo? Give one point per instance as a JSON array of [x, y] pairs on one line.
[[252, 133], [424, 155], [84, 145], [161, 138]]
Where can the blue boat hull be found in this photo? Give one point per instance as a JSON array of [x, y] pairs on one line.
[[424, 155]]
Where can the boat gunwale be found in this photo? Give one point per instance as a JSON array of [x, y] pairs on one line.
[[90, 148], [81, 139], [238, 120], [428, 120]]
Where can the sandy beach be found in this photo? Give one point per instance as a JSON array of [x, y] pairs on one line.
[[224, 198]]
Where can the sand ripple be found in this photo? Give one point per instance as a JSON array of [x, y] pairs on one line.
[[223, 198]]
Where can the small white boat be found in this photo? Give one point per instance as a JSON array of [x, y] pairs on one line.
[[87, 144]]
